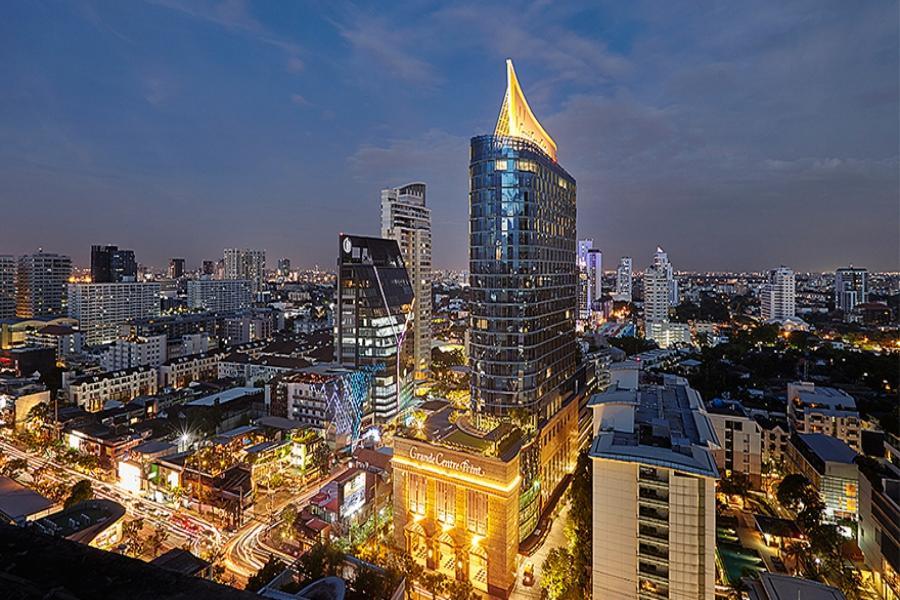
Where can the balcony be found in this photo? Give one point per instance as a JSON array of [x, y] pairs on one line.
[[653, 573], [653, 497], [653, 553], [653, 515], [653, 535]]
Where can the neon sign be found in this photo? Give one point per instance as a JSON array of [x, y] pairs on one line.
[[439, 460]]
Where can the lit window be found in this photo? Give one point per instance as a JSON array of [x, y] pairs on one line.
[[499, 165]]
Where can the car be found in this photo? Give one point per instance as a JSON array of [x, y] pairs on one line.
[[528, 575]]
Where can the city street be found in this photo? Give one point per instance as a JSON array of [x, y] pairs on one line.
[[556, 538]]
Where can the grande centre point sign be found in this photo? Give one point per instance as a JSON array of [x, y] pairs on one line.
[[438, 459]]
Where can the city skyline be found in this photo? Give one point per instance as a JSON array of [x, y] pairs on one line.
[[732, 155]]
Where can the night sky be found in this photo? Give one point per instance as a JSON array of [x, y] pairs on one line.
[[737, 135]]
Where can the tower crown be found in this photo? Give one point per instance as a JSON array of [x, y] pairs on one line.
[[516, 118]]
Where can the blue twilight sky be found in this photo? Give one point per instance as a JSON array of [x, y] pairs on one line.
[[738, 135]]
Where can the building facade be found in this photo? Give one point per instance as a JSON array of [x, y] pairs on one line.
[[243, 263], [590, 277], [41, 284], [830, 466], [654, 479], [7, 286], [125, 353], [740, 437], [851, 287], [778, 300], [110, 264], [93, 391], [406, 219], [624, 280], [220, 294], [373, 309], [818, 409], [102, 308]]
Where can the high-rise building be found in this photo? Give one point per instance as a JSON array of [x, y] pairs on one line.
[[779, 296], [654, 506], [220, 294], [624, 279], [406, 219], [41, 284], [851, 287], [284, 267], [110, 264], [584, 306], [7, 286], [246, 264], [176, 268], [209, 268], [372, 312], [102, 308], [594, 277], [523, 296], [522, 265], [659, 288]]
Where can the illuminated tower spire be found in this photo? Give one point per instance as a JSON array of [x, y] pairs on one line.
[[516, 118]]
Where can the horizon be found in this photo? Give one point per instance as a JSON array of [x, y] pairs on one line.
[[177, 129]]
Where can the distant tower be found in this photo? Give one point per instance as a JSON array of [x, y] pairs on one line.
[[245, 264], [624, 279], [778, 300], [176, 268], [851, 287], [657, 295], [584, 285], [7, 286], [109, 264], [406, 219]]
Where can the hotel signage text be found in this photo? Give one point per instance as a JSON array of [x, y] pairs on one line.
[[440, 460]]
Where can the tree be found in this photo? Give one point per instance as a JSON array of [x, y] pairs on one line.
[[433, 582], [266, 574], [13, 468], [736, 484], [131, 537], [556, 576], [792, 491], [579, 529], [322, 560], [461, 590], [80, 492], [157, 539]]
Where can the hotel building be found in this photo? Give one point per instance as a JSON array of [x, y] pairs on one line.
[[406, 219], [41, 285], [456, 499], [220, 295], [778, 300], [102, 308], [654, 479], [819, 409]]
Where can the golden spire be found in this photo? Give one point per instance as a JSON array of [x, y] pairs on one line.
[[516, 118]]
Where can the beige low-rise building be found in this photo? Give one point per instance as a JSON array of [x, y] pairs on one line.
[[817, 409]]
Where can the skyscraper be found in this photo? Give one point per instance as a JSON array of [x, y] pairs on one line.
[[41, 284], [851, 287], [584, 304], [624, 279], [778, 299], [660, 293], [7, 286], [372, 312], [594, 277], [406, 219], [176, 268], [523, 297], [522, 265], [109, 264], [246, 264]]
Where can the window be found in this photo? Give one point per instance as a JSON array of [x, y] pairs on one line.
[[416, 493], [445, 501], [476, 513]]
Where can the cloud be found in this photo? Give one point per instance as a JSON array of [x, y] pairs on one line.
[[300, 101]]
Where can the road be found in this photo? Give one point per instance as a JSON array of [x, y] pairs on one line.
[[556, 538]]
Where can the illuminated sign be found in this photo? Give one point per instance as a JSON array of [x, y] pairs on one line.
[[448, 463]]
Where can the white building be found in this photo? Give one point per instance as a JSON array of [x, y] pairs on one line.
[[220, 295], [779, 295], [851, 287], [660, 290], [102, 308], [7, 286], [654, 480], [180, 372], [246, 264], [41, 284], [137, 351], [624, 279], [92, 392], [66, 340], [817, 409], [406, 219], [740, 439]]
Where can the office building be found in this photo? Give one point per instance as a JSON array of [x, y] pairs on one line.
[[208, 268], [654, 480], [851, 287], [125, 353], [406, 219], [830, 465], [7, 286], [456, 498], [879, 525], [590, 275], [176, 268], [65, 340], [814, 408], [374, 306], [220, 294], [284, 267], [110, 264], [660, 290], [624, 279], [102, 308], [779, 295], [246, 264], [41, 284]]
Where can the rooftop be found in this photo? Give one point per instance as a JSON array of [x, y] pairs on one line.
[[228, 395], [180, 561], [18, 502], [812, 395], [772, 586], [828, 448]]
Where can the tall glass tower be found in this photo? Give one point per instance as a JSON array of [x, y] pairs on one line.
[[522, 265]]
